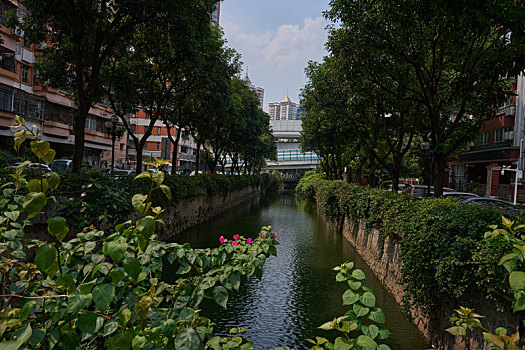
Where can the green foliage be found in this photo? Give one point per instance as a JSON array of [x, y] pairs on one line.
[[361, 326], [306, 186], [444, 254], [104, 290]]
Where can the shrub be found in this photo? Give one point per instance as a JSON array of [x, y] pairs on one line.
[[104, 291], [442, 249]]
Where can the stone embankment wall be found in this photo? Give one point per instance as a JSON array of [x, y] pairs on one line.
[[192, 211], [386, 265]]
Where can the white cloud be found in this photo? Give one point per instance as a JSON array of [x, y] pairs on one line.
[[276, 60], [289, 45]]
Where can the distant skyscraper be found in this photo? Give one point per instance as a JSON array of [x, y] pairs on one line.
[[284, 110], [215, 15], [258, 90]]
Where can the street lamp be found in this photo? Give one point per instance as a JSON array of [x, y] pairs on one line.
[[113, 128], [425, 147]]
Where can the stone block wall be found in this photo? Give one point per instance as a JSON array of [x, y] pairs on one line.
[[386, 265]]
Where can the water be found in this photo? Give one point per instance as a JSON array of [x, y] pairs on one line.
[[297, 292]]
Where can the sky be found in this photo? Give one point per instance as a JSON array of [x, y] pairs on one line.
[[276, 39]]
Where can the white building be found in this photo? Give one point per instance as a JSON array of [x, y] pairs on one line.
[[284, 110]]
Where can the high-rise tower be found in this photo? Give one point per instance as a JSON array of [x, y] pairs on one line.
[[258, 90]]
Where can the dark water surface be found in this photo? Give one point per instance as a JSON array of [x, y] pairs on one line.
[[297, 292]]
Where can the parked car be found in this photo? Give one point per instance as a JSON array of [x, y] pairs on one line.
[[421, 190], [457, 195], [61, 165], [44, 167], [400, 188], [506, 207]]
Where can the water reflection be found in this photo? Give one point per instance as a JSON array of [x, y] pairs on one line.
[[297, 291]]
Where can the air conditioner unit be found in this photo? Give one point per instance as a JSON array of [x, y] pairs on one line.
[[509, 136], [19, 31]]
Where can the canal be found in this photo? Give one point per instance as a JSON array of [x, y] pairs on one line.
[[297, 292]]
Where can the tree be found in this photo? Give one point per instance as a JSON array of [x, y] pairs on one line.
[[161, 67], [327, 129], [457, 65], [83, 35], [250, 140], [206, 109]]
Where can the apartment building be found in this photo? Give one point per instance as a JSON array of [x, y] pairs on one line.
[[497, 146], [49, 110], [158, 145]]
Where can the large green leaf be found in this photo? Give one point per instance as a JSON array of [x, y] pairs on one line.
[[350, 297], [57, 227], [360, 310], [517, 280], [188, 339], [115, 249], [377, 315], [358, 274], [78, 301], [366, 342], [368, 299], [103, 295], [166, 190], [19, 338], [45, 257], [132, 267], [87, 322], [342, 344], [53, 180], [34, 202], [34, 185], [235, 278], [220, 294], [146, 226], [121, 341], [138, 201], [40, 148]]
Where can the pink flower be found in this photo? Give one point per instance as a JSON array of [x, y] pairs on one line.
[[222, 239], [234, 243], [236, 237], [275, 235], [249, 241], [259, 234], [264, 235]]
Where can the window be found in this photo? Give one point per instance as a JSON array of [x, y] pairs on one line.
[[91, 123], [122, 146], [183, 149], [158, 130], [158, 145], [25, 74], [499, 135], [6, 100], [483, 139], [7, 61], [27, 44]]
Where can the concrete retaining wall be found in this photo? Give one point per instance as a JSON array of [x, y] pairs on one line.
[[386, 265], [192, 211]]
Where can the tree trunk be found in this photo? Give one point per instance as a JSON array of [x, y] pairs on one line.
[[197, 158], [438, 174], [80, 124], [175, 143]]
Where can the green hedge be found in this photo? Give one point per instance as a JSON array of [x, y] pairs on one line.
[[442, 242], [94, 197]]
